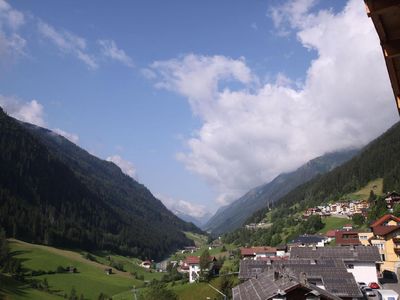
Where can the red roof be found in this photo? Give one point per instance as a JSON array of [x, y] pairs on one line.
[[384, 219], [193, 260], [347, 238], [384, 230], [330, 233], [257, 250]]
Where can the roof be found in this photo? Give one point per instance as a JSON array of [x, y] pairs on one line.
[[344, 237], [308, 239], [385, 14], [287, 277], [330, 233], [384, 230], [384, 219], [354, 253], [192, 260], [257, 250]]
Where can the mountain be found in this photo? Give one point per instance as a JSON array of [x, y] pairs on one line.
[[55, 193], [234, 215], [379, 159], [198, 221]]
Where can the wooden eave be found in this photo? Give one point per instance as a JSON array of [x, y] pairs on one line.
[[385, 15]]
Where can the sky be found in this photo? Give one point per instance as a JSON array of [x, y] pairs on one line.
[[198, 100]]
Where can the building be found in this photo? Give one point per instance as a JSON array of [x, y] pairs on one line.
[[385, 16], [386, 236], [257, 252], [308, 241], [193, 265], [146, 264], [392, 199], [347, 238], [330, 276], [365, 237], [363, 262], [279, 285]]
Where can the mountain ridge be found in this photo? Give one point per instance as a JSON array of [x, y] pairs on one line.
[[235, 214]]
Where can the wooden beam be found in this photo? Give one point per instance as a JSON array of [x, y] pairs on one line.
[[391, 48], [379, 7]]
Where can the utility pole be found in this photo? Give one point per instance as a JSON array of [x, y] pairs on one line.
[[134, 292]]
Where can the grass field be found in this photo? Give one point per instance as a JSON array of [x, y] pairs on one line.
[[199, 239], [363, 194], [333, 223], [89, 281]]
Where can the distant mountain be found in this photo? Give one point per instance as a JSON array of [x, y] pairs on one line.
[[234, 215], [55, 193], [198, 221]]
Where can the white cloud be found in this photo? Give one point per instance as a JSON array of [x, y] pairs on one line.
[[69, 43], [11, 43], [253, 133], [72, 137], [109, 49], [126, 166], [177, 205], [31, 112]]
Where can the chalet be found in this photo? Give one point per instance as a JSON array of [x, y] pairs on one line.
[[321, 277], [108, 271], [193, 262], [347, 238], [362, 262], [279, 285], [365, 237], [386, 236], [330, 235], [347, 227], [392, 199], [257, 252]]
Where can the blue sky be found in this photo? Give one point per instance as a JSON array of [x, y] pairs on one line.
[[198, 100]]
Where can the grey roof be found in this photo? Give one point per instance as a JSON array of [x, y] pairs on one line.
[[265, 286], [332, 273], [355, 253], [308, 239]]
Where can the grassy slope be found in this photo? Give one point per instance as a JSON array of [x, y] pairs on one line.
[[199, 239], [90, 279], [334, 223], [375, 185]]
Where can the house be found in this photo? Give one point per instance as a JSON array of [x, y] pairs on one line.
[[347, 227], [308, 241], [279, 285], [386, 236], [281, 250], [365, 237], [193, 262], [146, 264], [330, 235], [257, 252], [108, 271], [347, 238], [362, 262], [392, 199], [323, 276]]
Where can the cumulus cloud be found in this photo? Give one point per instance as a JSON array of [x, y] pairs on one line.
[[110, 50], [126, 166], [69, 43], [178, 205], [11, 43], [255, 131], [72, 137], [31, 112]]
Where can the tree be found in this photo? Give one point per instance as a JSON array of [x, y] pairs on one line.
[[396, 210], [226, 285], [358, 219], [73, 295], [4, 250]]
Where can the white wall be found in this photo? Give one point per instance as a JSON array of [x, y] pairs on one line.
[[364, 272], [196, 269]]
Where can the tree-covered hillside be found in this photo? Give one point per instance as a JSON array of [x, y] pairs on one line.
[[379, 159], [55, 193]]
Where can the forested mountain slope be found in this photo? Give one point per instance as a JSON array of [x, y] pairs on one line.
[[55, 193], [235, 214]]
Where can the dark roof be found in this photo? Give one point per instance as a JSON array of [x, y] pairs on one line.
[[308, 239], [269, 284], [384, 230], [353, 253], [257, 250]]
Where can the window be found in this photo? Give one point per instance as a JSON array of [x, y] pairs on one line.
[[350, 266], [383, 257]]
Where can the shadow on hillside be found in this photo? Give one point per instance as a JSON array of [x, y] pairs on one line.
[[9, 285]]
